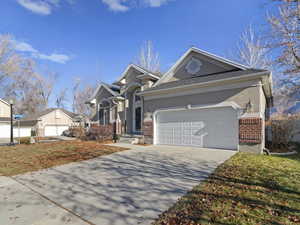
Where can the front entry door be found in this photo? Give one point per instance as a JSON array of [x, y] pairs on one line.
[[138, 119]]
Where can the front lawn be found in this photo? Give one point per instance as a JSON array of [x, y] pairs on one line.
[[247, 189], [25, 158]]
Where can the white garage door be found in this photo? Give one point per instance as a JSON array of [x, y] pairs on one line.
[[208, 128], [4, 130], [55, 130], [22, 132]]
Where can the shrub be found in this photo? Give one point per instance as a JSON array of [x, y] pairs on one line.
[[33, 133], [77, 132], [283, 130], [99, 133], [25, 140]]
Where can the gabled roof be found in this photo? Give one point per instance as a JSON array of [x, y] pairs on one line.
[[206, 79], [5, 102], [140, 69], [113, 89], [168, 74], [47, 111]]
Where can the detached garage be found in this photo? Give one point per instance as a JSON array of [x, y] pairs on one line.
[[52, 122], [55, 130], [202, 127], [21, 129]]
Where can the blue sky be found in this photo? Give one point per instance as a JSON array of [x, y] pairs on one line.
[[97, 39]]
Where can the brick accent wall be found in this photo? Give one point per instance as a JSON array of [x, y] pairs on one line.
[[148, 132], [250, 130], [148, 129]]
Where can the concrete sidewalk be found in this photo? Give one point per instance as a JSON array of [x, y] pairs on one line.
[[21, 206]]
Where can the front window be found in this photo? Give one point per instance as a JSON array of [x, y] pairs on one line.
[[101, 116]]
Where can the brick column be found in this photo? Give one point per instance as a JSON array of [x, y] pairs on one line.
[[250, 131], [148, 131]]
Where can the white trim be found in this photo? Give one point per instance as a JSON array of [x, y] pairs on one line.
[[245, 84], [231, 104], [251, 115], [5, 102], [170, 73], [194, 85], [151, 75]]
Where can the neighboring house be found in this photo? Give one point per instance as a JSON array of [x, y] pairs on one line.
[[4, 119], [50, 122], [20, 129], [203, 100]]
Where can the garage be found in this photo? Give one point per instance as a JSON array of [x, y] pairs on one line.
[[4, 130], [55, 130], [206, 128], [22, 131]]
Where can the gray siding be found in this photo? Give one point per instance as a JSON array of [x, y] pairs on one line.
[[209, 66], [241, 96]]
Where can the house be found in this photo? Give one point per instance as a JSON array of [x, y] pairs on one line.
[[20, 129], [4, 119], [203, 100], [50, 122]]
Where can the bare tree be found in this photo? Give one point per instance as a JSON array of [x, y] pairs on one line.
[[44, 86], [83, 95], [252, 51], [20, 81], [9, 60], [148, 58], [284, 43], [285, 37], [75, 89], [61, 98]]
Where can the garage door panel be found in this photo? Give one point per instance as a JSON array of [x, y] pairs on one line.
[[4, 130], [211, 128], [52, 130]]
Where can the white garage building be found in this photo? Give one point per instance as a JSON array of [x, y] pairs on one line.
[[52, 121]]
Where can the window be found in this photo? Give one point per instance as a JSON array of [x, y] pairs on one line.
[[106, 116], [101, 117], [193, 66]]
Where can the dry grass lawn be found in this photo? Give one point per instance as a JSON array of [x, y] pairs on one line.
[[247, 189], [25, 158]]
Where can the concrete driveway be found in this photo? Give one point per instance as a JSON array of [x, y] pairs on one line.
[[130, 187]]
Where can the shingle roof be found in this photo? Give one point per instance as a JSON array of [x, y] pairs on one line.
[[4, 119], [113, 89], [49, 110], [25, 123], [202, 79]]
